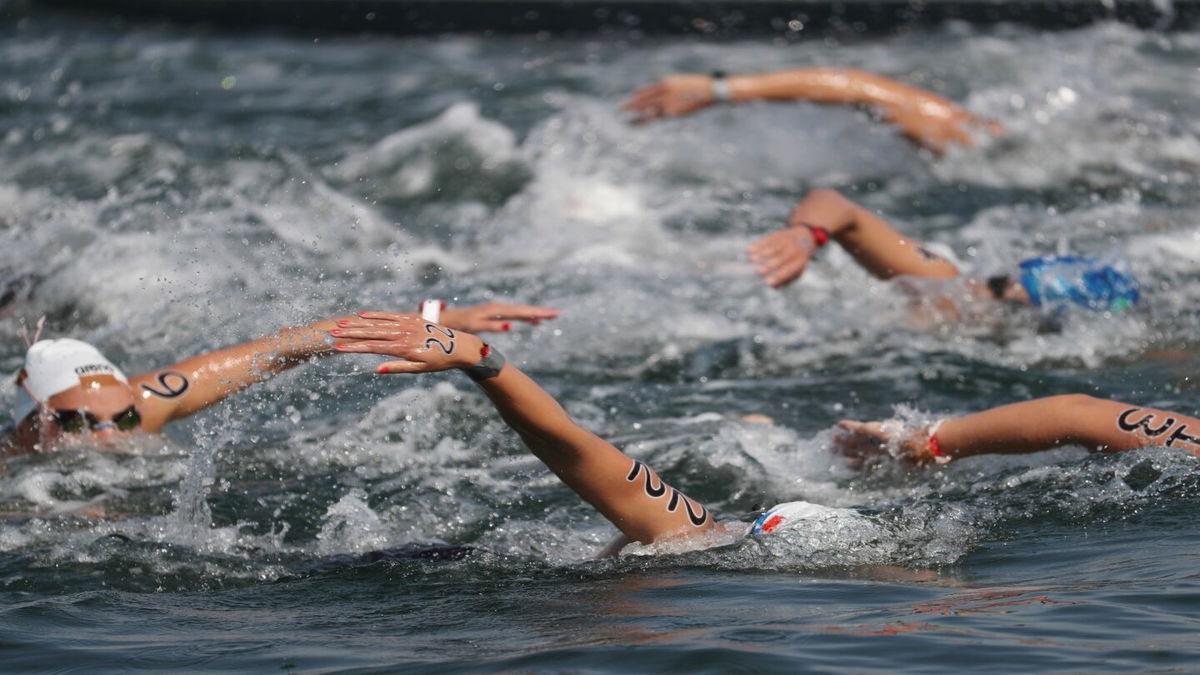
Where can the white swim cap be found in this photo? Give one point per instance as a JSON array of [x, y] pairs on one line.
[[792, 514], [54, 366]]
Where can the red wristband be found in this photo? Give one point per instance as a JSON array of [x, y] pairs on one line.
[[820, 234], [935, 448]]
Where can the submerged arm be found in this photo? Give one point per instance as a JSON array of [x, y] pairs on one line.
[[626, 491]]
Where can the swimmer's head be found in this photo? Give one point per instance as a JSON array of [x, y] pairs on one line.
[[790, 515], [77, 390], [1056, 282]]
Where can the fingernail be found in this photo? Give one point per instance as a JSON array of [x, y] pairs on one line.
[[443, 304], [363, 313], [335, 331], [506, 326], [339, 346], [381, 370], [342, 322]]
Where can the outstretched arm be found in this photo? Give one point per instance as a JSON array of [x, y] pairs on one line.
[[624, 490], [781, 257], [193, 384], [1032, 426], [495, 316], [926, 118]]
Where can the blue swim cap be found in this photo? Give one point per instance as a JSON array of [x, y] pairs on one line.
[[1058, 281]]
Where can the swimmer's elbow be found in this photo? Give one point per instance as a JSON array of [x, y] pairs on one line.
[[826, 195], [1065, 403], [1075, 414], [827, 198]]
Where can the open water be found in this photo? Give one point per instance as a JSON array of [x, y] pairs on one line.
[[164, 191]]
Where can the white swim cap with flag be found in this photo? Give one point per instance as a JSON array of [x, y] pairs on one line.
[[54, 366]]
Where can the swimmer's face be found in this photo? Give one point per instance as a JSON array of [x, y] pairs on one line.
[[100, 409], [1004, 287]]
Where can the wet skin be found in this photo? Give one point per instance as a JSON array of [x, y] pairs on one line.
[[103, 398]]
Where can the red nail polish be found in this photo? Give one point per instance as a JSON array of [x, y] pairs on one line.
[[342, 322], [381, 370], [443, 304], [335, 331], [339, 346], [506, 326]]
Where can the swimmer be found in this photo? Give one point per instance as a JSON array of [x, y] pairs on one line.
[[1097, 424], [647, 510], [1052, 283], [925, 118], [626, 491], [69, 393]]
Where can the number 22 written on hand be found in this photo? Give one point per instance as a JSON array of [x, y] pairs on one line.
[[446, 347]]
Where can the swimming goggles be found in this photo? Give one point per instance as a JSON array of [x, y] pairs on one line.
[[75, 421]]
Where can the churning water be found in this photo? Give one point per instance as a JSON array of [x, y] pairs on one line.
[[168, 191]]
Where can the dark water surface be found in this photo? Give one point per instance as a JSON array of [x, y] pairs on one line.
[[167, 191]]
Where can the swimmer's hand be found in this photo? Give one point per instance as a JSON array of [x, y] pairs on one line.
[[781, 257], [495, 316], [422, 346], [669, 97], [862, 441]]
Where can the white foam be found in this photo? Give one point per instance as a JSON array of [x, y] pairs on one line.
[[350, 525], [407, 163]]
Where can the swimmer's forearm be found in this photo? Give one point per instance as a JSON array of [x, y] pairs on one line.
[[833, 85], [294, 345], [288, 348], [194, 384], [874, 244], [1029, 426], [828, 209], [596, 470], [587, 464], [534, 414], [926, 118], [1074, 419]]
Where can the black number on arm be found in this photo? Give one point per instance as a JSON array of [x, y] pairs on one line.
[[697, 518], [1143, 424], [173, 385], [1180, 433], [447, 347]]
